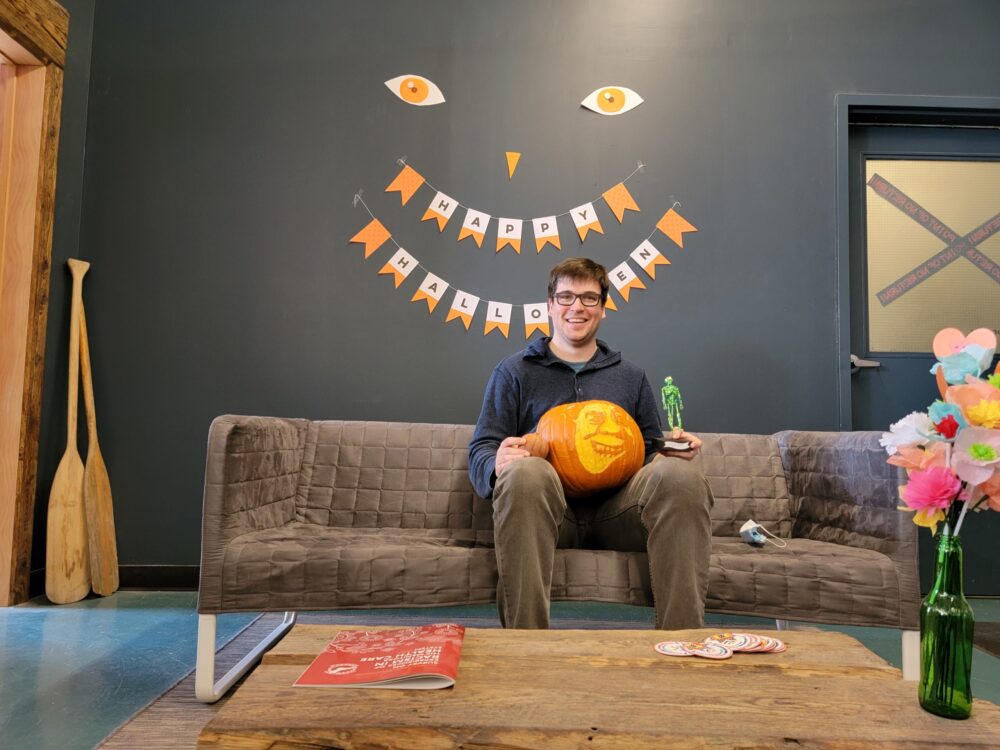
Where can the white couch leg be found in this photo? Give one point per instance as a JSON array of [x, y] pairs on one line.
[[911, 655], [205, 687]]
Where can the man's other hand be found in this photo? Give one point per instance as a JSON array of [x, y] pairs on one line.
[[512, 449]]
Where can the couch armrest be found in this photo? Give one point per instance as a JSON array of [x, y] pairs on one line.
[[844, 492], [251, 478]]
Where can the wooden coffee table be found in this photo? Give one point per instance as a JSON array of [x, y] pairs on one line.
[[561, 689]]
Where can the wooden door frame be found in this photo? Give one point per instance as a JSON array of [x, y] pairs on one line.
[[875, 109], [33, 35]]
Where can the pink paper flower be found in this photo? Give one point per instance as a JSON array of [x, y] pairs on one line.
[[977, 454], [912, 458], [933, 488]]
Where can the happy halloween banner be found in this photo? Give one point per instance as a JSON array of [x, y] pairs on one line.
[[443, 207], [499, 314]]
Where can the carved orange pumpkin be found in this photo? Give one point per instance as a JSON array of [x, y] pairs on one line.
[[593, 445]]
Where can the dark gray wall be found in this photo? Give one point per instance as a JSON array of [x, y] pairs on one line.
[[227, 139]]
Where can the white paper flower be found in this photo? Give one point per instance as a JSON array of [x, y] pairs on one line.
[[913, 429]]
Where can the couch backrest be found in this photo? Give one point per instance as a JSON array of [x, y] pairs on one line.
[[389, 475], [748, 481], [412, 475]]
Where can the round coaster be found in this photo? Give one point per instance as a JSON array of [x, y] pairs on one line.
[[738, 641], [711, 650], [674, 648]]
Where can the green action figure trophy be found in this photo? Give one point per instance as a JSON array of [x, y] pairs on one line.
[[673, 404]]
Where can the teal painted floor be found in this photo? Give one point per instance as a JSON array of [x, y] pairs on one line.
[[70, 675]]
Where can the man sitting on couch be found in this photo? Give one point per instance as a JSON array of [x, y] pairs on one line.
[[664, 508]]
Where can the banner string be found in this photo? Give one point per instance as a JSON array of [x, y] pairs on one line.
[[640, 167], [358, 199]]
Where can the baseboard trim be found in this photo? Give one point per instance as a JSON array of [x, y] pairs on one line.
[[150, 577]]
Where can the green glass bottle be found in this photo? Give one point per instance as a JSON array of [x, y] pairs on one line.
[[946, 625]]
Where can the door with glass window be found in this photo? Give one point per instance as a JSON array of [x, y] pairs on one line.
[[924, 255]]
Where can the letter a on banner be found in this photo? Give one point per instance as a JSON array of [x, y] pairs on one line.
[[432, 289], [441, 208], [648, 258], [372, 236], [474, 226], [509, 233], [624, 279], [536, 318], [546, 230], [674, 225], [407, 183], [463, 307], [586, 220], [399, 266], [620, 200], [498, 317]]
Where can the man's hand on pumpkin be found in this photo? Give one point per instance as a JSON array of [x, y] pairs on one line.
[[688, 454], [511, 449]]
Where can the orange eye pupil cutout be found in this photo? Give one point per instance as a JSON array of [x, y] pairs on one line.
[[611, 99], [413, 90]]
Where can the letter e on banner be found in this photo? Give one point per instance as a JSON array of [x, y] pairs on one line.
[[625, 280]]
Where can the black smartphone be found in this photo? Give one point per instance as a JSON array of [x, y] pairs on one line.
[[660, 444]]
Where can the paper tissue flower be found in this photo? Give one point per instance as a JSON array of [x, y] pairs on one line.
[[951, 452]]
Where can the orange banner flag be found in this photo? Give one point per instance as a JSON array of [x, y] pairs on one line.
[[674, 225], [399, 266], [441, 208], [372, 236], [648, 258], [463, 307], [509, 233], [536, 318], [474, 226], [546, 231], [407, 183], [620, 200], [432, 289], [609, 303], [585, 219], [625, 279], [498, 318]]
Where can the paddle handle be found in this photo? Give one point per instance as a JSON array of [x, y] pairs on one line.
[[88, 380], [78, 268]]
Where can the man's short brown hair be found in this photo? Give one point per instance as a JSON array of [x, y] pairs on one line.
[[580, 269]]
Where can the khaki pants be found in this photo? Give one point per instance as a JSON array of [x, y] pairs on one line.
[[663, 510]]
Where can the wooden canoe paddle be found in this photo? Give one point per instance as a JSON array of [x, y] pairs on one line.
[[67, 563], [97, 488]]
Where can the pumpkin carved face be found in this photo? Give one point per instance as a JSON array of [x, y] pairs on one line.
[[593, 445]]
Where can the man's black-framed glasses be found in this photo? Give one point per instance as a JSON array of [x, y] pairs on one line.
[[588, 299]]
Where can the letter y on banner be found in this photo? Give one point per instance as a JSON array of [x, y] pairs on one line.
[[586, 220]]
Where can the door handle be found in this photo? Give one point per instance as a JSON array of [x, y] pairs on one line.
[[857, 363]]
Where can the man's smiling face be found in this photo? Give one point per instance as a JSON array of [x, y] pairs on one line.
[[574, 326]]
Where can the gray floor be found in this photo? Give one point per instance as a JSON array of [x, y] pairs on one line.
[[71, 674]]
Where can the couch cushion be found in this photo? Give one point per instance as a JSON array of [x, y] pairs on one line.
[[807, 580], [306, 566]]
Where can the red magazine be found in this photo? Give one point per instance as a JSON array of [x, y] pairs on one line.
[[421, 658]]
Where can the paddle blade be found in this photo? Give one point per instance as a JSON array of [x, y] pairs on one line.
[[100, 524], [67, 564]]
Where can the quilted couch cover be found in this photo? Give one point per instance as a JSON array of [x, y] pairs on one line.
[[312, 515]]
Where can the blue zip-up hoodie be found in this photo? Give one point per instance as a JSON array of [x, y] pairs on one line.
[[526, 385]]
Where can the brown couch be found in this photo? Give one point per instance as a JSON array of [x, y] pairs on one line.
[[308, 515]]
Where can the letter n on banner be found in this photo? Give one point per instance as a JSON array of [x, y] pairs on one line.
[[625, 280], [498, 317], [509, 233], [536, 318], [441, 208], [474, 226], [399, 266], [648, 258], [586, 220], [463, 307], [432, 289], [546, 230]]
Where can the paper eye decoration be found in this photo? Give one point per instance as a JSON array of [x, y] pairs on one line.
[[611, 100], [416, 90]]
